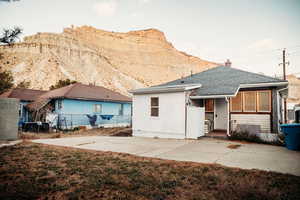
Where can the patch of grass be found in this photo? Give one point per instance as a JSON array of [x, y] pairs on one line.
[[33, 171]]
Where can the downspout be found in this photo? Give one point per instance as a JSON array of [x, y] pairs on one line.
[[279, 107], [185, 114], [228, 115]]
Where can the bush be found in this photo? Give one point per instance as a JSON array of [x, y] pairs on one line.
[[246, 136]]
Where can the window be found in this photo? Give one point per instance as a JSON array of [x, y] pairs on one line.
[[209, 105], [97, 108], [236, 103], [121, 108], [264, 101], [20, 110], [252, 101], [59, 104], [154, 106], [249, 101]]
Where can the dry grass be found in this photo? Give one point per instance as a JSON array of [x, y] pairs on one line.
[[34, 171], [118, 131]]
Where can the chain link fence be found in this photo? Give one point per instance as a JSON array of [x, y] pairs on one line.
[[70, 121]]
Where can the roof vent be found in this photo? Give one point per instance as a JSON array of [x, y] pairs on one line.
[[228, 63], [182, 81]]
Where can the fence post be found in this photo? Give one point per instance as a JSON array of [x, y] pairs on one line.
[[71, 122]]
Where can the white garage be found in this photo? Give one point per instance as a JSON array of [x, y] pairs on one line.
[[166, 112]]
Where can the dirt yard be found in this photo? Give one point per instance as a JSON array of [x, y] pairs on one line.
[[35, 171], [118, 131]]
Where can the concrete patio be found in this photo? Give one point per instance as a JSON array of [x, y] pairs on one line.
[[205, 150]]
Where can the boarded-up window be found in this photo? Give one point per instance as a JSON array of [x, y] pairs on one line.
[[154, 106], [249, 101], [209, 105], [264, 101], [236, 103], [97, 108]]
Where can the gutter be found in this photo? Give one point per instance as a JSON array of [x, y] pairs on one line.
[[263, 84], [212, 96], [166, 89], [286, 88], [241, 86]]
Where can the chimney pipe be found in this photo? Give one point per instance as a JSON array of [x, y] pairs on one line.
[[228, 63]]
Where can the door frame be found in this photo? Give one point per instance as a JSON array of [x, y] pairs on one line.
[[215, 112]]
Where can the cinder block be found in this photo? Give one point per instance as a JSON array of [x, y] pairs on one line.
[[9, 117]]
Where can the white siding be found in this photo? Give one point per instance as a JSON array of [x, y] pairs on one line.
[[171, 120], [263, 120]]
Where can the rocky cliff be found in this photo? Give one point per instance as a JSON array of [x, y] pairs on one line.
[[294, 89], [118, 61]]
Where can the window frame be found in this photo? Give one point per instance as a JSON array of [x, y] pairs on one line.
[[257, 111], [154, 106], [95, 108], [258, 101], [241, 100], [244, 102], [59, 104]]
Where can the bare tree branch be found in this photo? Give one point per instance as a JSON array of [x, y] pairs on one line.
[[9, 36]]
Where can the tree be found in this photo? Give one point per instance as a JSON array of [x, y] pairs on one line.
[[62, 83], [9, 1], [6, 81], [9, 36], [24, 84]]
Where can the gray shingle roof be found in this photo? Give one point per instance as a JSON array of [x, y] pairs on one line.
[[222, 80]]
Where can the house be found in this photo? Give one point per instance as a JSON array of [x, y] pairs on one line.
[[25, 96], [221, 99], [293, 112], [81, 105]]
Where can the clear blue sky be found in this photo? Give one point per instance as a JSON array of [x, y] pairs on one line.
[[248, 32]]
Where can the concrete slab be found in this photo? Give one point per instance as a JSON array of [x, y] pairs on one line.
[[9, 143], [205, 150]]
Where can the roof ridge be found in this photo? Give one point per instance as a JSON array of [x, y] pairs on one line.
[[262, 75]]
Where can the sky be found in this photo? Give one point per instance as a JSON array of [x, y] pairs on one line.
[[251, 33]]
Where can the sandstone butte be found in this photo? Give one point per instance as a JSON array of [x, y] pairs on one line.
[[118, 61]]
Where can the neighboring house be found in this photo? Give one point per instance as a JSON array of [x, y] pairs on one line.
[[80, 105], [225, 98], [293, 112], [25, 96]]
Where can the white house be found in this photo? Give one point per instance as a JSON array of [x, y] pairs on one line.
[[220, 99]]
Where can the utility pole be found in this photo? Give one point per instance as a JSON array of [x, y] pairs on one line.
[[284, 78]]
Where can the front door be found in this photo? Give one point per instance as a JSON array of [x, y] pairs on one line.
[[221, 114]]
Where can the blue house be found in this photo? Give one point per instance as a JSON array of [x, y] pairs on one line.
[[25, 96], [81, 105]]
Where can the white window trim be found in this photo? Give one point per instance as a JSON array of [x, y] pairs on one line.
[[154, 107], [95, 108]]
